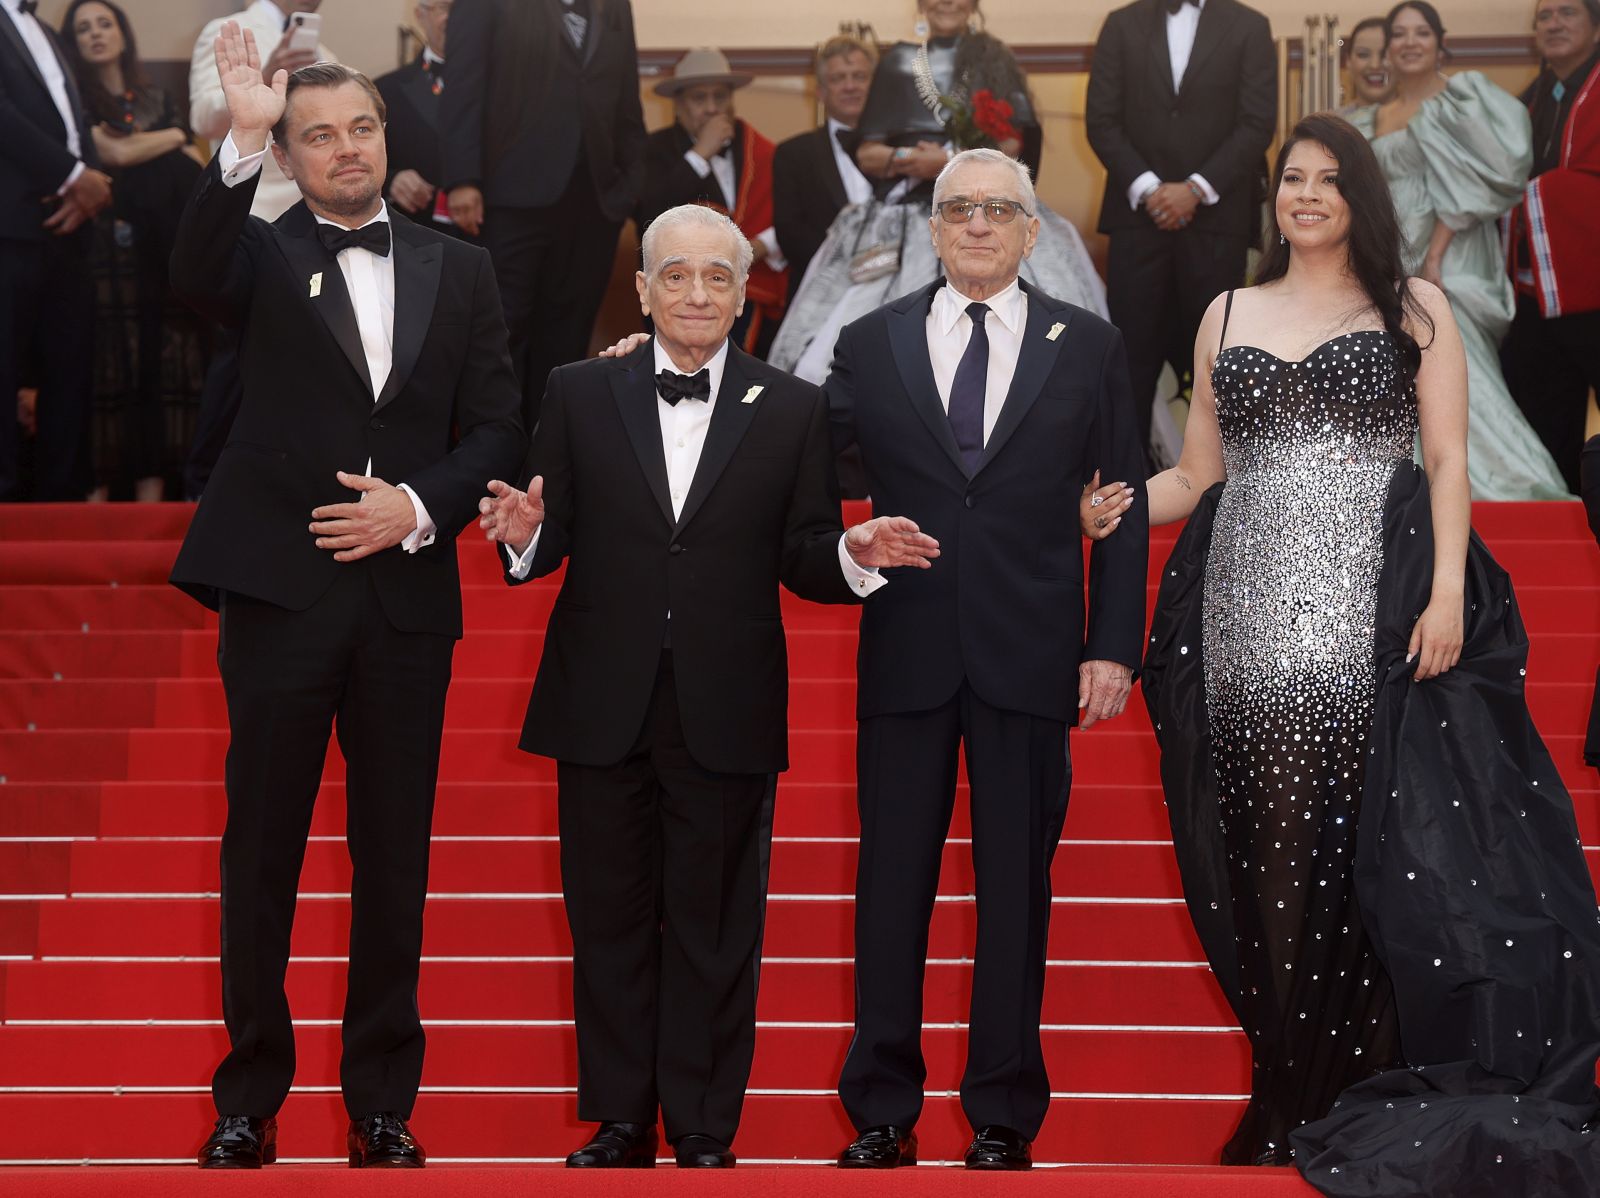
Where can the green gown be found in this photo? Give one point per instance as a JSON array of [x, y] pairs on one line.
[[1464, 160]]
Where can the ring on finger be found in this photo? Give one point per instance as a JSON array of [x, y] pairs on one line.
[[1097, 501]]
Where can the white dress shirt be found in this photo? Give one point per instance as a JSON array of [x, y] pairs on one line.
[[857, 187], [721, 166], [369, 280], [40, 45], [1181, 29], [950, 329], [683, 437]]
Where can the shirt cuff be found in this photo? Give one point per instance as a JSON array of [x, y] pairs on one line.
[[863, 580], [236, 169], [77, 173], [1208, 193], [700, 165], [523, 562], [769, 242], [1139, 186], [421, 536]]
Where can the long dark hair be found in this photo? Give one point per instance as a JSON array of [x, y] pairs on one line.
[[1374, 243], [105, 106]]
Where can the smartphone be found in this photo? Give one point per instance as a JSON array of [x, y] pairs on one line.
[[305, 31]]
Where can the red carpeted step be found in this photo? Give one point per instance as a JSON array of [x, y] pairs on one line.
[[94, 521], [50, 809], [807, 1058], [1080, 929]]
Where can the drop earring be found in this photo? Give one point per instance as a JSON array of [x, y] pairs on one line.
[[920, 29], [1282, 240]]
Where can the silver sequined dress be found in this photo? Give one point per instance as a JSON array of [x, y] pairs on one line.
[[1288, 616]]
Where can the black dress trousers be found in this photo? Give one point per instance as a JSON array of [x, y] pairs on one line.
[[664, 871], [1550, 366], [1020, 775], [290, 679]]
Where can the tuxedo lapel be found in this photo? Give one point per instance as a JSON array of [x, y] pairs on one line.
[[1155, 17], [908, 340], [1207, 37], [417, 265], [828, 168], [596, 30], [1034, 363], [8, 27], [730, 420], [633, 386], [297, 238], [418, 91]]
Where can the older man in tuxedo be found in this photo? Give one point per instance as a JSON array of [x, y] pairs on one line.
[[681, 484], [49, 191], [981, 407], [1183, 101], [370, 351]]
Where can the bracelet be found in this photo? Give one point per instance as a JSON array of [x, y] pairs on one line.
[[1195, 187]]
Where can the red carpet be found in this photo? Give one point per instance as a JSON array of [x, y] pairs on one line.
[[112, 734]]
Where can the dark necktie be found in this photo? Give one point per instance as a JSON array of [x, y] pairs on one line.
[[28, 7], [374, 237], [672, 386], [967, 391]]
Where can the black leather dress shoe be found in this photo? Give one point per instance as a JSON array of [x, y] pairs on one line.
[[240, 1142], [618, 1146], [885, 1147], [996, 1147], [383, 1141], [702, 1152]]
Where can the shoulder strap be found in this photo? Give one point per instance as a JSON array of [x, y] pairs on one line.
[[1227, 311]]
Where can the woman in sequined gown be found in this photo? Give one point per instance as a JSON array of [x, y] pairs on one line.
[[1377, 853]]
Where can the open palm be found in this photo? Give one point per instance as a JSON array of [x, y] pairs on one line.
[[254, 104]]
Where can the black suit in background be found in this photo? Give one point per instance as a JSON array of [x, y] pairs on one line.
[[46, 301], [1218, 125], [553, 135], [411, 132], [1589, 469], [666, 756], [981, 649], [306, 643], [807, 194]]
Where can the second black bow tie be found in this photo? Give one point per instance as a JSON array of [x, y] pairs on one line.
[[1175, 6], [374, 237], [672, 386], [28, 7]]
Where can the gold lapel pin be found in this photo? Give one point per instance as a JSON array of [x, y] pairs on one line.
[[316, 285], [750, 395], [1055, 331]]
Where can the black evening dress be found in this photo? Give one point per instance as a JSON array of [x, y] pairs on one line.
[[1386, 877]]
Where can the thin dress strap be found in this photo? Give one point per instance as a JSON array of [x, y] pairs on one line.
[[1227, 311]]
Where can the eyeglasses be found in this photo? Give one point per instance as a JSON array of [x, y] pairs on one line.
[[997, 212]]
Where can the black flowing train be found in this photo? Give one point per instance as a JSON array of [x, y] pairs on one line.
[[1386, 876]]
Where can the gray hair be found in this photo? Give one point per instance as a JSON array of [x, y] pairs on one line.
[[696, 216], [1025, 195]]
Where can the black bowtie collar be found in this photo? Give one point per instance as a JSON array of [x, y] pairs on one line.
[[374, 237], [1174, 6], [28, 7], [672, 386]]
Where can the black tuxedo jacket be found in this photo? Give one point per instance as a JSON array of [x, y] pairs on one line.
[[1218, 124], [34, 160], [669, 180], [1003, 605], [411, 132], [587, 109], [763, 509], [445, 423], [807, 194]]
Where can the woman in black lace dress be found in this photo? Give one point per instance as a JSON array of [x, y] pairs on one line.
[[149, 356], [1377, 852]]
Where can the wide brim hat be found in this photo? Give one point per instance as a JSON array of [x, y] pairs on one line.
[[705, 64]]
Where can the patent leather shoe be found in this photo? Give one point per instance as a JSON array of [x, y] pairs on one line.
[[883, 1147], [240, 1142], [702, 1152], [996, 1147], [618, 1146], [383, 1141]]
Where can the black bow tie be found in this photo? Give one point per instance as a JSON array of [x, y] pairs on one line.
[[374, 237], [28, 7], [672, 386], [1173, 6]]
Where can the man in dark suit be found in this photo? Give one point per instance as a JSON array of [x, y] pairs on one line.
[[543, 144], [49, 191], [680, 484], [1183, 101], [413, 95], [981, 407], [368, 352], [813, 174]]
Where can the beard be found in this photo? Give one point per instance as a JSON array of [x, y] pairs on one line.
[[350, 199]]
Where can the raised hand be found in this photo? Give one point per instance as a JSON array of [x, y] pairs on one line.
[[510, 516], [890, 541], [254, 104]]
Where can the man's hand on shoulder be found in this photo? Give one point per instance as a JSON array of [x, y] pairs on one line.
[[510, 516], [624, 347], [383, 517], [1103, 689], [890, 541]]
